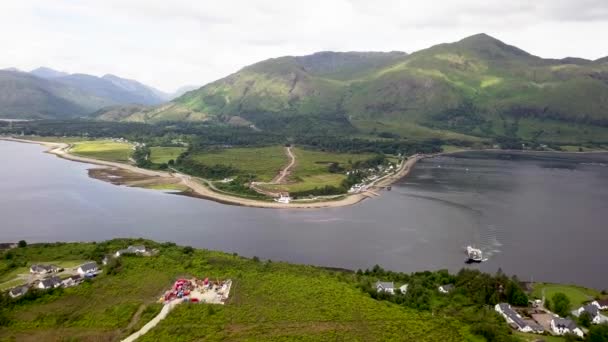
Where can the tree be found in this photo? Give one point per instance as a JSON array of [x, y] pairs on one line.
[[560, 304], [585, 319], [22, 244], [598, 333]]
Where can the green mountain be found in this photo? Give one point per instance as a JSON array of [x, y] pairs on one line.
[[476, 87], [49, 94]]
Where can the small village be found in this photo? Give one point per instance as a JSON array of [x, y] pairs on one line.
[[535, 318]]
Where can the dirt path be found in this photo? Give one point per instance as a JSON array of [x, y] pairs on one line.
[[286, 171], [135, 318], [203, 188], [154, 322]]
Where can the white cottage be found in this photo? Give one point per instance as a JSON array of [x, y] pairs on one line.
[[563, 326], [513, 318], [385, 286], [88, 268], [592, 310]]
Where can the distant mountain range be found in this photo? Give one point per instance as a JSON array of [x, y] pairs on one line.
[[476, 87], [48, 93]]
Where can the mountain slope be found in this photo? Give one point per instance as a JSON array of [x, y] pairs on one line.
[[478, 86], [47, 93], [26, 96]]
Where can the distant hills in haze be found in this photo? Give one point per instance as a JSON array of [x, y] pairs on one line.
[[49, 94], [476, 87]]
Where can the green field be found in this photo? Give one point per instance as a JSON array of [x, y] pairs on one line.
[[166, 187], [263, 162], [311, 169], [270, 301], [159, 155], [577, 295], [103, 149]]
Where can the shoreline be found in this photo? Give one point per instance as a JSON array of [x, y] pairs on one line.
[[205, 192]]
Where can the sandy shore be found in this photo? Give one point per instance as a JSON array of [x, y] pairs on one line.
[[200, 190]]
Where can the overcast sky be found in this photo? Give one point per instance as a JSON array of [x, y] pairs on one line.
[[170, 43]]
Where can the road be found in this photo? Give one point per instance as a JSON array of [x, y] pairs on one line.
[[280, 178]]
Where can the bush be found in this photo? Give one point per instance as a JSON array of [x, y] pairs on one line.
[[22, 244]]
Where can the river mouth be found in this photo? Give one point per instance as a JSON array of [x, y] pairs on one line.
[[530, 217]]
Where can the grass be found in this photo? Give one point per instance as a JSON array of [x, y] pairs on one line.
[[452, 148], [577, 294], [166, 186], [574, 148], [311, 169], [104, 150], [535, 337], [263, 162], [269, 301], [160, 155]]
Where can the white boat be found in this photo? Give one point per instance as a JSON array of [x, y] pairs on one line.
[[474, 254]]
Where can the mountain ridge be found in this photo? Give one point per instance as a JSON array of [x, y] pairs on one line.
[[478, 86]]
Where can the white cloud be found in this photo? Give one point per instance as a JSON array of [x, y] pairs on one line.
[[172, 43]]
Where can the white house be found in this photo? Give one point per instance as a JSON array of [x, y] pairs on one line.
[[88, 268], [592, 310], [49, 283], [72, 281], [18, 291], [601, 304], [562, 326], [131, 250], [513, 318], [383, 286], [445, 288], [44, 269], [403, 288]]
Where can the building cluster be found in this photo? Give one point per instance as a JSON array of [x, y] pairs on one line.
[[372, 175], [545, 321], [47, 278]]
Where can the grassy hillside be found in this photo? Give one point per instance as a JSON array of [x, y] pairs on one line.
[[269, 301], [476, 87], [261, 162]]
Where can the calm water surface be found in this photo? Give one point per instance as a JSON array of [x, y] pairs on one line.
[[541, 216]]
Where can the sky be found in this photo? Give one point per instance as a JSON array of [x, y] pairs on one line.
[[168, 44]]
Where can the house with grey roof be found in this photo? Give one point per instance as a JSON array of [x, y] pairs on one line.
[[384, 286], [563, 326], [592, 310], [49, 283], [88, 268], [513, 318], [72, 280], [44, 269], [18, 291]]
